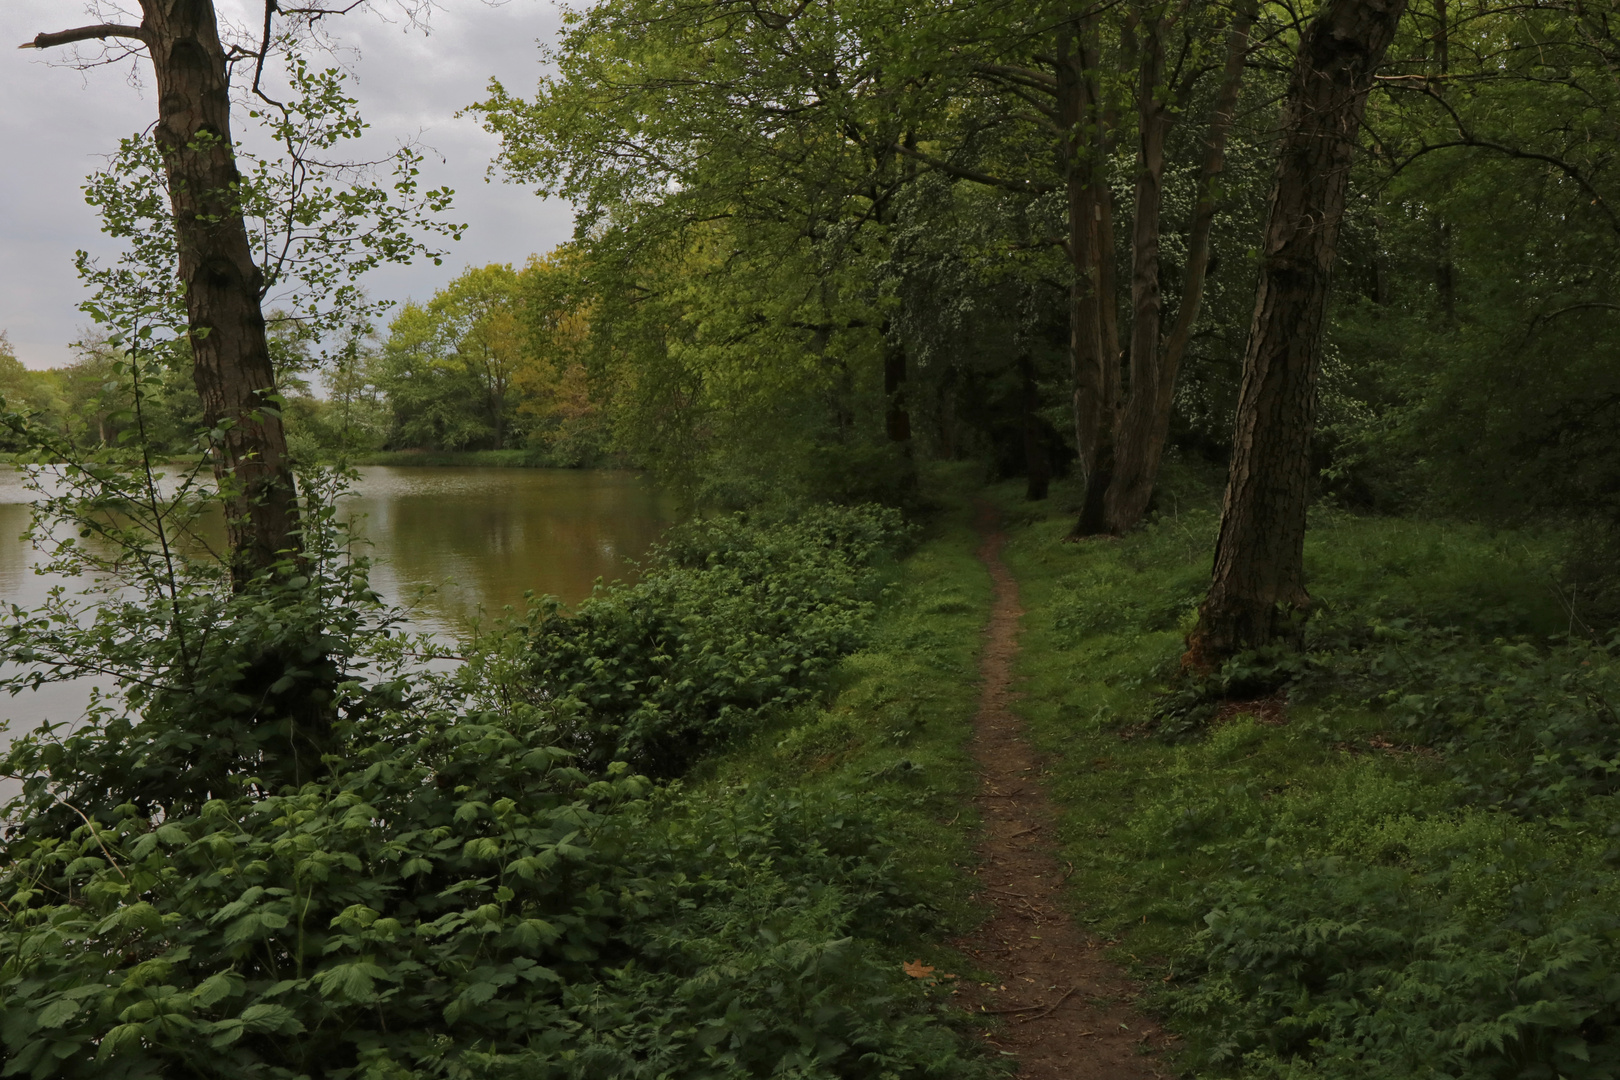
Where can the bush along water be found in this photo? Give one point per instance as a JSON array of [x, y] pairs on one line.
[[435, 887], [730, 619]]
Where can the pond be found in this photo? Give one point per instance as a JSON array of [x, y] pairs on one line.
[[477, 538]]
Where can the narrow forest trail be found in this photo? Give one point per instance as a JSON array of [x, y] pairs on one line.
[[1066, 1007]]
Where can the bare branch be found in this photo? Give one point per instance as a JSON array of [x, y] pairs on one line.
[[86, 33], [318, 12], [270, 9]]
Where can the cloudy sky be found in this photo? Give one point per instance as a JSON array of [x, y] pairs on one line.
[[59, 123]]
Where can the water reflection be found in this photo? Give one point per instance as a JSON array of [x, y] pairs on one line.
[[493, 534], [497, 533]]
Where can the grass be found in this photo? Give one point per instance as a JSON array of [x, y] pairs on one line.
[[894, 725], [1269, 881]]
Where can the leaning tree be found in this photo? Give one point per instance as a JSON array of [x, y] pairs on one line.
[[1257, 594]]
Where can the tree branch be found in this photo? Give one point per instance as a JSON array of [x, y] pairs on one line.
[[85, 33], [1030, 77], [320, 12], [1560, 164], [1023, 187]]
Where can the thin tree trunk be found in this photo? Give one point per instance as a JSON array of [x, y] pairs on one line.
[[1093, 324], [1445, 279], [896, 413], [896, 418], [1145, 419], [1134, 418], [1257, 593], [1037, 461], [222, 284]]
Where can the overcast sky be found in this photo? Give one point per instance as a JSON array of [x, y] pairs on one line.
[[59, 122]]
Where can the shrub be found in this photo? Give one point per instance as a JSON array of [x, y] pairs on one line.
[[445, 893], [731, 618], [463, 903]]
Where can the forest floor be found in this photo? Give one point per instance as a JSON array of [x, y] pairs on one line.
[[1068, 1010]]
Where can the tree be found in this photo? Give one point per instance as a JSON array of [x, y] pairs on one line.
[[553, 379], [222, 280], [788, 137], [1057, 91], [1257, 593], [37, 392], [451, 363]]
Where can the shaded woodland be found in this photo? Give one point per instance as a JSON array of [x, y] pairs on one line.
[[1281, 334]]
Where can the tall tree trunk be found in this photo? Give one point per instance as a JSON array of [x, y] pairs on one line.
[[1257, 592], [1445, 279], [222, 284], [1133, 419], [1144, 424], [896, 414], [1093, 322]]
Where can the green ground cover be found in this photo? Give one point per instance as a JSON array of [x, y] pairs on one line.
[[466, 890], [1415, 875]]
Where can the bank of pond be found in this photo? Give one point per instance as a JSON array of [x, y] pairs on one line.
[[697, 824]]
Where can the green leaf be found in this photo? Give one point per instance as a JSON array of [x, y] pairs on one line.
[[350, 982], [217, 988], [272, 1019], [120, 1037], [58, 1013]]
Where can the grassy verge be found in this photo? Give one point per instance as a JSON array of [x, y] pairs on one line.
[[893, 732], [508, 459], [1414, 875]]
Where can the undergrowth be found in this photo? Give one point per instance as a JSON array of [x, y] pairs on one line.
[[473, 887], [1411, 872]]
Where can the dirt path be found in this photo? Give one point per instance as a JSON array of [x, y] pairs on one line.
[[1066, 1008]]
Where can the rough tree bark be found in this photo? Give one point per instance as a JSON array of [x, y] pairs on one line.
[[1093, 320], [1257, 592], [1144, 419], [222, 283]]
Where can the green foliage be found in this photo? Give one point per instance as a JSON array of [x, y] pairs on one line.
[[493, 361], [439, 892], [456, 901], [211, 686], [730, 619], [317, 224], [1478, 318], [1415, 874]]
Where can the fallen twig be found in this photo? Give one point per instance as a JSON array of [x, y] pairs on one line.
[[1050, 1009]]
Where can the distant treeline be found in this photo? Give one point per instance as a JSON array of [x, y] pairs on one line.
[[494, 361]]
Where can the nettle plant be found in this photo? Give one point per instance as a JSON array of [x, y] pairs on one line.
[[351, 870]]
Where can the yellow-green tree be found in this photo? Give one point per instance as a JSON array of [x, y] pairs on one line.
[[448, 366]]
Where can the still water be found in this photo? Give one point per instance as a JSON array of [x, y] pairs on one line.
[[476, 538]]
